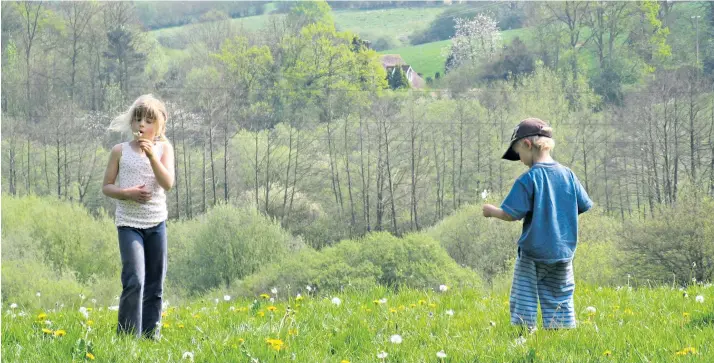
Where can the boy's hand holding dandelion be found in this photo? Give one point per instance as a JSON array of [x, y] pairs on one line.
[[490, 210]]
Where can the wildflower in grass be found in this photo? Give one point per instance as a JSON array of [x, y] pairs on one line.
[[275, 344], [607, 353], [492, 323], [180, 326], [42, 316], [292, 331], [274, 291], [164, 314], [413, 305], [298, 297], [422, 302], [383, 300], [89, 356], [336, 301], [13, 306], [376, 302], [520, 340], [215, 300], [629, 312], [309, 288], [440, 354], [450, 312], [382, 355], [113, 308], [82, 297], [226, 298], [432, 305], [38, 294], [47, 331], [396, 339], [90, 322], [165, 325], [687, 351], [484, 194], [265, 296], [368, 310], [261, 313], [94, 301], [443, 288], [685, 314], [344, 361], [84, 312], [699, 299], [196, 316], [48, 323], [393, 311], [60, 333], [272, 299], [590, 310], [685, 295], [187, 355], [272, 308]]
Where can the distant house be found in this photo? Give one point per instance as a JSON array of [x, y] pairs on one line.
[[390, 62]]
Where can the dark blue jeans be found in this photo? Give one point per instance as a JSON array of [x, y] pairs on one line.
[[144, 259]]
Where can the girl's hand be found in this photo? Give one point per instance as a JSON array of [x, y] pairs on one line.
[[147, 147], [138, 194], [489, 210]]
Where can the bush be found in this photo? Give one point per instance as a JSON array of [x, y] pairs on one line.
[[597, 259], [384, 43], [225, 244], [677, 244], [486, 245], [415, 261], [63, 235]]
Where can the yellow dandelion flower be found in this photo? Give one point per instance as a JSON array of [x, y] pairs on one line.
[[422, 302], [368, 310], [196, 316], [275, 344], [393, 311], [90, 322], [89, 356], [685, 315], [402, 307], [46, 331], [680, 353], [607, 353], [60, 333], [241, 340], [180, 326], [265, 296], [164, 314], [616, 307], [689, 350], [344, 361], [272, 308], [292, 332], [42, 316], [89, 309], [165, 325], [432, 305], [376, 302], [299, 298], [413, 305], [261, 314]]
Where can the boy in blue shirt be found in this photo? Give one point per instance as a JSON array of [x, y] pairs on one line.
[[549, 198]]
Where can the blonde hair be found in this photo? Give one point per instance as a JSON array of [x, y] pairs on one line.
[[541, 143], [144, 106]]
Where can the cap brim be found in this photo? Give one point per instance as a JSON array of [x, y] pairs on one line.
[[511, 154]]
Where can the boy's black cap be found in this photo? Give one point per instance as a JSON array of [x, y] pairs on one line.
[[528, 127]]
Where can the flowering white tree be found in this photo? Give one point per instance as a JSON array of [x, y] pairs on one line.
[[475, 39]]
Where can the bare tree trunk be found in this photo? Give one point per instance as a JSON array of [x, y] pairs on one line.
[[437, 205], [210, 153], [676, 152], [365, 182], [255, 184], [287, 174], [349, 179], [379, 181], [414, 216], [203, 175], [267, 171], [295, 169], [187, 169], [225, 160], [389, 178], [177, 172], [334, 173]]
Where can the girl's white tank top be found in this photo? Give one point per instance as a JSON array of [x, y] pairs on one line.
[[134, 170]]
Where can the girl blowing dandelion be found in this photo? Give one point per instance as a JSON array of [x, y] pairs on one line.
[[137, 176]]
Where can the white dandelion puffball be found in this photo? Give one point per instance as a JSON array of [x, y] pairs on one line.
[[274, 291], [13, 306], [188, 355], [520, 340], [450, 312], [443, 288], [699, 299], [308, 287], [383, 300], [226, 297], [493, 323], [396, 339], [81, 296], [84, 312], [113, 308], [38, 294], [298, 296], [441, 354], [484, 194], [272, 299], [590, 310], [382, 355], [336, 301], [215, 300]]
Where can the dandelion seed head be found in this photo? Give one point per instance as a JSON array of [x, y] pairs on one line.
[[396, 339], [440, 354], [336, 301]]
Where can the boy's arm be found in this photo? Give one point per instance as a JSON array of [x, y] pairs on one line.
[[493, 211]]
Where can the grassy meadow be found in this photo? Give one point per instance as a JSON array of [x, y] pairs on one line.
[[456, 325]]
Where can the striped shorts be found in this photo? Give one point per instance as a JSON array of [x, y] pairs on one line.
[[551, 284]]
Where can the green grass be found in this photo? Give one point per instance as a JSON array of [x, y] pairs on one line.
[[636, 325], [397, 23], [428, 58]]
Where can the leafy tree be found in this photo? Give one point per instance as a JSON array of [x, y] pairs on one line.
[[398, 79]]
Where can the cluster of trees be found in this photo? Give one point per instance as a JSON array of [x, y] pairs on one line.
[[300, 123]]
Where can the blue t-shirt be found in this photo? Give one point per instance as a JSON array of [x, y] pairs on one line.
[[549, 198]]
